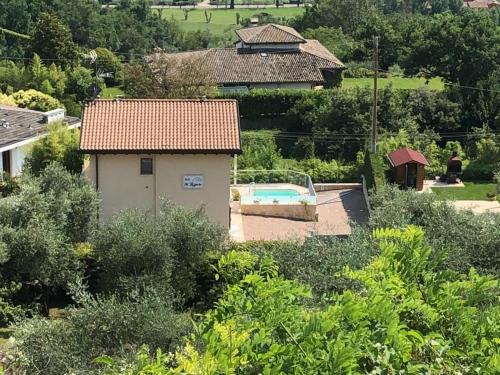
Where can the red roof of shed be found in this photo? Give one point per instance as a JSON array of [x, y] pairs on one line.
[[405, 155]]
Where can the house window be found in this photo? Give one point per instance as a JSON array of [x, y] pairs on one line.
[[146, 166]]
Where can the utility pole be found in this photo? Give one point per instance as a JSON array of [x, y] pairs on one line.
[[375, 95]]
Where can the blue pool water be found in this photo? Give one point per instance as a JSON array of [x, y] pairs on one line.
[[276, 196], [275, 193]]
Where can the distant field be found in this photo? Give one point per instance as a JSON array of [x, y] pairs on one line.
[[223, 19], [397, 83], [473, 191], [111, 92]]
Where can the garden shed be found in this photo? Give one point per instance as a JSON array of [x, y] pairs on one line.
[[408, 168]]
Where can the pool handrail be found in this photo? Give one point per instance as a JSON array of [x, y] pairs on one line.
[[309, 183]]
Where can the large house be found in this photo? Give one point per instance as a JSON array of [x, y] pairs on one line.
[[481, 4], [19, 128], [144, 150], [270, 56]]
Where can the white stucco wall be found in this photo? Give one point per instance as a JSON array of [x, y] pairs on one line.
[[17, 156], [121, 185]]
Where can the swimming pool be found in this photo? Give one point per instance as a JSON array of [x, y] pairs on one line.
[[276, 196], [275, 193]]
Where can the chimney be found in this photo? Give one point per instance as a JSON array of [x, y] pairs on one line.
[[53, 116]]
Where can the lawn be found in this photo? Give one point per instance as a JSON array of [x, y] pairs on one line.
[[111, 92], [223, 19], [473, 191], [397, 83]]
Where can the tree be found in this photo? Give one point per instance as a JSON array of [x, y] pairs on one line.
[[108, 62], [81, 83], [51, 39], [60, 145], [334, 39], [169, 76]]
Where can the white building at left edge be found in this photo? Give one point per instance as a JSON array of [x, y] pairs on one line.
[[19, 128]]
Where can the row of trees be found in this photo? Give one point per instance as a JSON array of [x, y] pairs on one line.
[[61, 29]]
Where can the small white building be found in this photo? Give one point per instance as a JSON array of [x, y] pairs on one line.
[[144, 150], [19, 128]]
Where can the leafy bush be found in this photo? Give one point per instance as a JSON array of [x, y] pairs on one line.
[[8, 185], [463, 238], [39, 225], [168, 251], [319, 261], [409, 317], [101, 326], [38, 101], [60, 145]]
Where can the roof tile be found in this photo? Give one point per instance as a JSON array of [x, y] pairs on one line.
[[160, 125]]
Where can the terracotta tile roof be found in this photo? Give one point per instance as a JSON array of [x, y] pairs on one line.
[[167, 126], [482, 4], [405, 155], [24, 124], [269, 34], [230, 67]]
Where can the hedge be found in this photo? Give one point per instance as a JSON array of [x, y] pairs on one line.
[[260, 103], [374, 171]]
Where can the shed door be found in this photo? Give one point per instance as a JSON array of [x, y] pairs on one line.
[[411, 175]]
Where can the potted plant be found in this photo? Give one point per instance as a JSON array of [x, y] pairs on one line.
[[491, 196]]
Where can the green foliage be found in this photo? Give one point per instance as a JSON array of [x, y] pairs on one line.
[[8, 185], [409, 317], [80, 83], [259, 151], [136, 249], [318, 261], [60, 145], [334, 39], [463, 238], [51, 39], [108, 62], [39, 225], [35, 100], [110, 326]]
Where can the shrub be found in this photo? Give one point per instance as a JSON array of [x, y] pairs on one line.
[[319, 261], [38, 101], [39, 225], [60, 145], [8, 185], [409, 316], [7, 100], [136, 249], [463, 238], [101, 326]]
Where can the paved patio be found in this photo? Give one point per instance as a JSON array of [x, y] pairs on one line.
[[478, 207], [336, 210], [430, 184]]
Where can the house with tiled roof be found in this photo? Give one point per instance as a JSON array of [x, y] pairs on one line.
[[481, 4], [270, 56], [20, 128], [144, 150]]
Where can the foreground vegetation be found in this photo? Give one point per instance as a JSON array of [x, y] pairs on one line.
[[395, 299]]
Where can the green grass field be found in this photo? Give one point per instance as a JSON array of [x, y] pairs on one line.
[[111, 92], [473, 191], [223, 19], [397, 83]]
